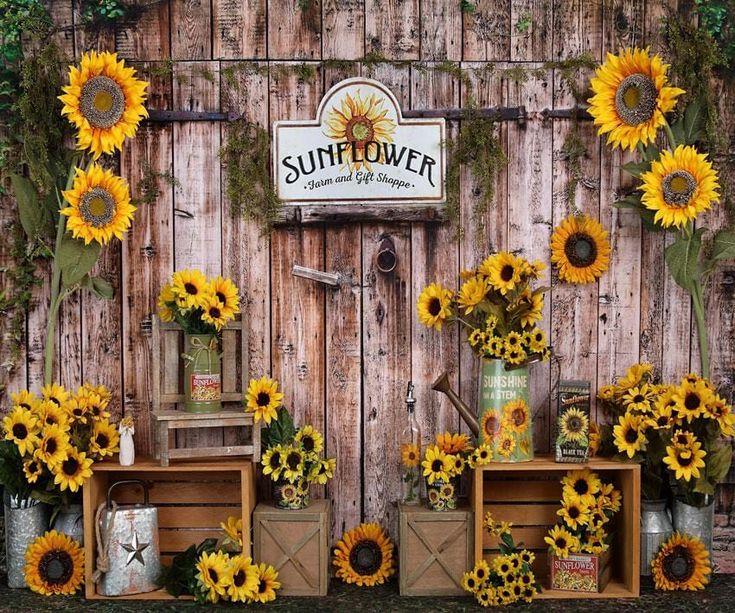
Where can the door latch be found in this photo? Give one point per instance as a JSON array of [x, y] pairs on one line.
[[333, 279]]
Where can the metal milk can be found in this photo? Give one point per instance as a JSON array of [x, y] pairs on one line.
[[129, 560]]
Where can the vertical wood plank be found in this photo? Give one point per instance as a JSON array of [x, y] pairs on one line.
[[62, 14], [297, 335], [191, 24], [433, 352], [577, 29], [386, 330], [529, 216], [624, 23], [69, 361], [531, 31], [294, 33], [197, 205], [487, 31], [343, 27], [239, 29], [36, 327], [392, 29], [87, 39], [441, 30], [147, 254], [489, 233], [245, 251], [148, 37], [344, 401]]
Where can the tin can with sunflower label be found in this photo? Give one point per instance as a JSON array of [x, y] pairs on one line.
[[573, 421], [202, 374], [504, 413]]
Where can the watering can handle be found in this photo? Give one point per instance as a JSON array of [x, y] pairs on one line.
[[140, 482]]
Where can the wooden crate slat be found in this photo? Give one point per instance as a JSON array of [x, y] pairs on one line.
[[522, 491], [195, 517], [527, 515], [204, 452], [173, 540], [531, 537], [176, 492], [173, 398]]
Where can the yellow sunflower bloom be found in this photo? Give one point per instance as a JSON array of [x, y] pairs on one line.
[[293, 464], [583, 484], [631, 97], [322, 471], [537, 340], [267, 584], [227, 293], [54, 565], [482, 455], [245, 579], [73, 471], [721, 411], [574, 513], [310, 439], [630, 434], [263, 399], [51, 414], [490, 424], [97, 406], [580, 249], [504, 271], [213, 312], [104, 101], [233, 530], [364, 556], [99, 206], [472, 293], [215, 575], [639, 399], [32, 469], [679, 186], [634, 375], [453, 443], [470, 582], [562, 542], [165, 299], [437, 465], [78, 410], [685, 462], [53, 447], [516, 415], [104, 440], [681, 564], [410, 455], [21, 427], [574, 425], [595, 438], [691, 399], [190, 288], [506, 444], [55, 393], [274, 462], [362, 122], [515, 355], [24, 399], [434, 306]]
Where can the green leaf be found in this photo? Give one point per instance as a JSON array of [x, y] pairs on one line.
[[682, 258], [76, 259], [30, 209], [718, 463], [632, 201], [102, 287], [637, 168], [688, 129], [723, 245]]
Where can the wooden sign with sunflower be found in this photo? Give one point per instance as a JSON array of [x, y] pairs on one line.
[[359, 152]]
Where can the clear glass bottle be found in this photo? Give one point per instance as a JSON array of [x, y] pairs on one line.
[[410, 451]]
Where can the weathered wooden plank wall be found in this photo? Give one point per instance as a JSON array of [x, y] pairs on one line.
[[344, 356]]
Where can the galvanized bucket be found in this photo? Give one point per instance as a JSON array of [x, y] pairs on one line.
[[25, 520], [655, 529], [130, 537], [695, 521]]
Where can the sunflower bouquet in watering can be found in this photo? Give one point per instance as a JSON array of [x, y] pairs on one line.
[[202, 307], [500, 311]]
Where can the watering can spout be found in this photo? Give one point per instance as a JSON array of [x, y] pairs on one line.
[[442, 385]]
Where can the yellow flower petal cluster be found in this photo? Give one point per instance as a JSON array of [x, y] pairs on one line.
[[580, 249], [364, 556], [54, 565]]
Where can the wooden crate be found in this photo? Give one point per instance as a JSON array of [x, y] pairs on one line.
[[436, 549], [296, 543], [192, 499], [168, 395], [529, 493]]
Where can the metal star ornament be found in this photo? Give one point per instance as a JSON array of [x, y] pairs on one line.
[[135, 550]]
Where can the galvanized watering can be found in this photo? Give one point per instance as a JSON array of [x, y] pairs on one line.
[[128, 560]]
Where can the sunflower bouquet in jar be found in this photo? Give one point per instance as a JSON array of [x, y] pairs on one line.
[[443, 464], [52, 442], [508, 577], [633, 101], [202, 307], [293, 459], [588, 506], [499, 310]]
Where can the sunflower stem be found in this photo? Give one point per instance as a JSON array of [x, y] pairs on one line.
[[698, 302], [55, 302], [670, 135]]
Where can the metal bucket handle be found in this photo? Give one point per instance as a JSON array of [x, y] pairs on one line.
[[140, 482]]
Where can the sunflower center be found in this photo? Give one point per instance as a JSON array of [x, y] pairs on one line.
[[638, 398], [506, 273], [366, 557], [359, 129], [435, 307], [631, 436], [20, 432], [56, 567], [678, 566], [264, 399], [574, 512], [581, 487], [238, 578], [262, 586], [685, 459], [518, 416], [102, 102], [214, 313], [293, 460], [275, 460], [636, 99], [491, 424], [561, 542], [70, 466], [308, 443], [97, 207], [507, 442], [692, 401], [574, 424], [581, 250], [662, 421], [678, 188], [102, 441], [437, 466], [55, 401], [682, 439], [213, 575], [221, 297], [51, 446]]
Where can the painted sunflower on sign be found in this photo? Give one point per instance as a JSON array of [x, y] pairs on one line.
[[364, 555], [360, 121], [631, 97], [263, 399], [54, 565], [433, 306], [516, 415], [99, 206], [679, 186], [104, 101], [580, 249], [681, 564], [574, 425]]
